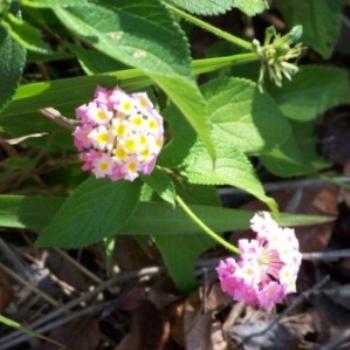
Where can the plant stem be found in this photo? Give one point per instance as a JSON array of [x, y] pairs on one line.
[[244, 44], [207, 230], [207, 65]]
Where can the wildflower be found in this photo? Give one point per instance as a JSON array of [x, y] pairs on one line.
[[268, 266], [119, 135]]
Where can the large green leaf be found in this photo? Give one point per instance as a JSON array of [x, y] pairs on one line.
[[12, 60], [312, 91], [144, 35], [182, 138], [180, 252], [215, 7], [232, 167], [298, 155], [25, 34], [243, 117], [96, 210], [35, 212], [321, 21]]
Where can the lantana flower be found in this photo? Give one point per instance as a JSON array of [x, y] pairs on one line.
[[119, 135], [268, 266]]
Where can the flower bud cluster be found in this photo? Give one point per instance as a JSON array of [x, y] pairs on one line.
[[268, 267], [119, 135], [276, 53]]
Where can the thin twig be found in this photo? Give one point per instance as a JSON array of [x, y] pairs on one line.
[[118, 279], [29, 285], [299, 300], [15, 260], [80, 267], [332, 255], [55, 116], [47, 328], [340, 339]]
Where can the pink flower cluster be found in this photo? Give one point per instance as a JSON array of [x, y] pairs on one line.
[[119, 135], [268, 268]]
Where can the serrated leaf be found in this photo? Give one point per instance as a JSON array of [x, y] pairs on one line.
[[243, 117], [251, 7], [232, 167], [321, 21], [312, 91], [298, 155], [204, 7], [215, 7], [145, 36], [12, 61], [96, 210], [162, 184], [25, 34]]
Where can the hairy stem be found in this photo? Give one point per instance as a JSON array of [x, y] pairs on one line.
[[244, 44], [207, 230]]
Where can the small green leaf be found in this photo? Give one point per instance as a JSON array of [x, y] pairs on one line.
[[25, 34], [232, 167], [321, 21], [162, 184], [12, 61], [96, 210], [243, 117], [144, 36], [215, 7], [312, 91]]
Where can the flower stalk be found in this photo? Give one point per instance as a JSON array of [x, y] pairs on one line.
[[244, 44], [207, 230]]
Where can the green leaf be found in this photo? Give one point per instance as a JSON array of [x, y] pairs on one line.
[[251, 8], [232, 167], [243, 117], [215, 7], [162, 184], [182, 138], [25, 34], [298, 155], [321, 21], [96, 210], [93, 62], [180, 252], [312, 91], [52, 3], [35, 212], [145, 36], [12, 60]]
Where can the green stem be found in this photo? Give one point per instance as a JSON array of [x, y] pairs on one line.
[[207, 230], [207, 65], [244, 44]]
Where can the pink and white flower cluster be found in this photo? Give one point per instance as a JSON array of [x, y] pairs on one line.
[[119, 135], [268, 267]]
